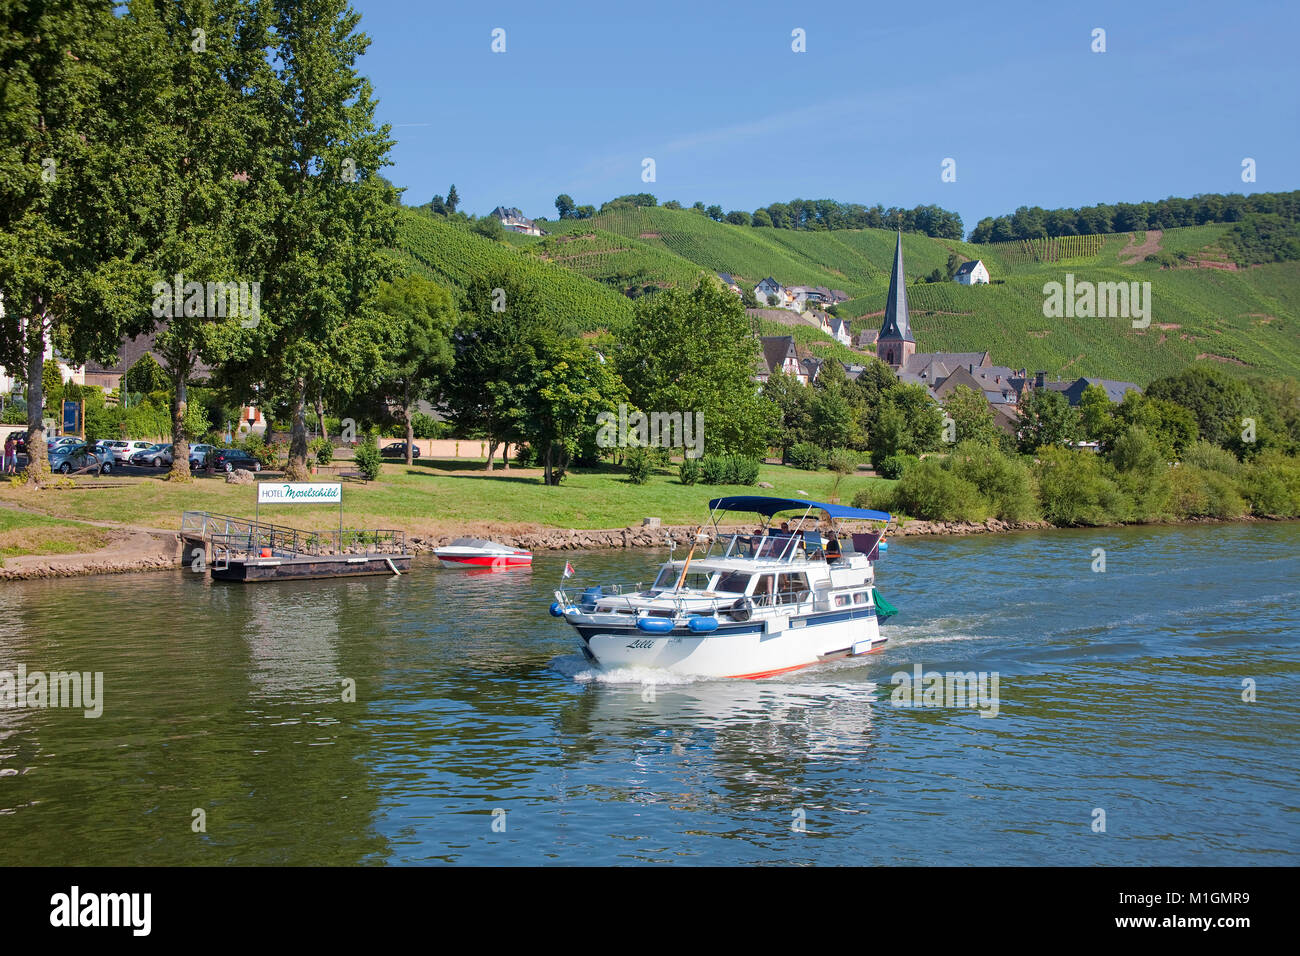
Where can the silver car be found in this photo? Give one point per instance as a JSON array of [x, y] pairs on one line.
[[156, 455], [199, 456], [72, 456]]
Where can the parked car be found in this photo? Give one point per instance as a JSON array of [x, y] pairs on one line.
[[76, 456], [199, 456], [123, 450], [228, 459], [158, 455], [398, 450]]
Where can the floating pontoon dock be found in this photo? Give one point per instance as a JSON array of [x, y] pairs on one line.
[[237, 549]]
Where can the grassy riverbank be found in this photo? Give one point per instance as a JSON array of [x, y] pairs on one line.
[[432, 497], [24, 533]]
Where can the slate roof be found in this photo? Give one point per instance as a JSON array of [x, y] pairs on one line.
[[776, 349], [968, 267]]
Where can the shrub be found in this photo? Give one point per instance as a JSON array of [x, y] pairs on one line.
[[896, 465], [639, 464], [843, 461], [1005, 483], [805, 455], [877, 496], [1271, 483], [1199, 492], [728, 470], [323, 449], [426, 426], [1073, 490], [267, 455], [1210, 457], [526, 456], [933, 493], [689, 472], [368, 458]]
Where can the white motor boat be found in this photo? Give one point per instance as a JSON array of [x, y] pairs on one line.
[[480, 553], [753, 605]]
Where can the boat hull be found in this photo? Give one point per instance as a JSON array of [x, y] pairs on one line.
[[760, 648], [486, 560]]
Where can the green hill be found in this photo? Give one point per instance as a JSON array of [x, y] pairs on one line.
[[453, 255], [1246, 320]]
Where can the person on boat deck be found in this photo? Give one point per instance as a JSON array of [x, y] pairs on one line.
[[832, 549]]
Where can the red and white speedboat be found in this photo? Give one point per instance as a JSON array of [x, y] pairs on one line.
[[478, 553]]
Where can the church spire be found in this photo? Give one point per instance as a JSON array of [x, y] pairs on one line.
[[896, 326]]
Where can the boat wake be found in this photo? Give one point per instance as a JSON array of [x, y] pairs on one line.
[[580, 670]]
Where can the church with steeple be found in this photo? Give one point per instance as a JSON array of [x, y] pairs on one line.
[[895, 345], [941, 372]]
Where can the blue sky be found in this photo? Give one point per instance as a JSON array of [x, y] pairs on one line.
[[885, 92]]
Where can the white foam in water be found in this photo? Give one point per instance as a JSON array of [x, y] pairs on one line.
[[582, 671]]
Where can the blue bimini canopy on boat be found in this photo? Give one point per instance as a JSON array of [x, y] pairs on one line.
[[767, 507]]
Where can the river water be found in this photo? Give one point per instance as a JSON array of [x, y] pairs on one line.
[[479, 735]]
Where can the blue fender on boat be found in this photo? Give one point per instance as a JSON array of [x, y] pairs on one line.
[[655, 625], [883, 546], [556, 610], [702, 625]]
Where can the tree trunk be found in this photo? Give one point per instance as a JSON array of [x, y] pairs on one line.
[[505, 456], [546, 464], [297, 468], [493, 443], [320, 415], [180, 470], [410, 425], [38, 463]]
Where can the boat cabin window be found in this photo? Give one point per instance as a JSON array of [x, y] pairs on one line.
[[764, 588], [842, 600], [860, 597], [697, 580], [733, 582], [792, 588]]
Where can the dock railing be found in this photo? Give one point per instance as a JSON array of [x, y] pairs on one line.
[[230, 537]]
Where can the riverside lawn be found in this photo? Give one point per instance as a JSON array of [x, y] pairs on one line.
[[433, 497]]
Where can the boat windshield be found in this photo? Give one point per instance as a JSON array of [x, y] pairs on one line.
[[695, 580]]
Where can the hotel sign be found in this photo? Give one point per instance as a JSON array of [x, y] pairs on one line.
[[300, 492]]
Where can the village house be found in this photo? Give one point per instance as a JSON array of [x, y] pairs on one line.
[[779, 355], [1073, 391], [515, 221], [770, 292], [972, 273]]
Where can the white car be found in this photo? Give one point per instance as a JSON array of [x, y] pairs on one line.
[[123, 450]]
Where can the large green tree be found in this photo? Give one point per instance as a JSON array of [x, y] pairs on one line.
[[189, 67], [69, 271], [419, 318], [972, 417], [695, 351], [330, 217], [1046, 419], [496, 343], [574, 385]]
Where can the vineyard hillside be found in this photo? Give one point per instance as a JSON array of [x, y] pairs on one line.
[[1204, 310]]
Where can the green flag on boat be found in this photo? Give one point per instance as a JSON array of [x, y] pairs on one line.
[[883, 608]]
